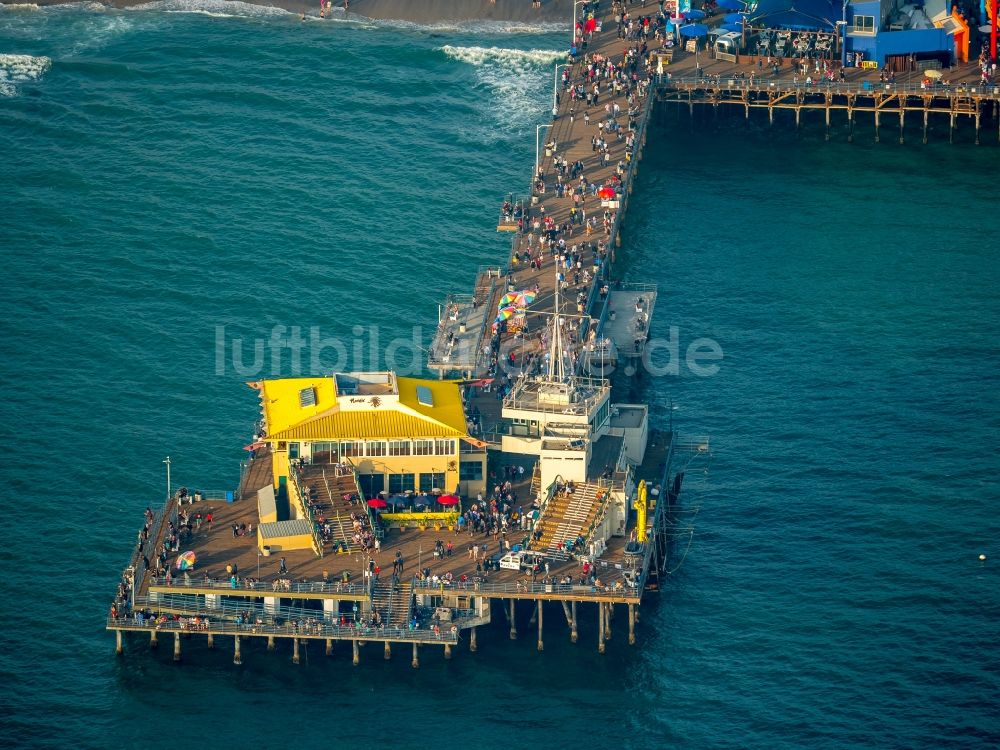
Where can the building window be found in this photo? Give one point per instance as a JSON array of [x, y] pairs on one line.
[[353, 448], [470, 470], [444, 447], [864, 24], [376, 448], [399, 447], [293, 451], [423, 447], [399, 483], [431, 480]]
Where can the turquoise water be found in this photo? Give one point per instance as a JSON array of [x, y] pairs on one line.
[[173, 180]]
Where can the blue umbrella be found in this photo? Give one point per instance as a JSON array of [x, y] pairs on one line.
[[733, 18], [694, 30], [694, 15], [729, 4], [738, 28]]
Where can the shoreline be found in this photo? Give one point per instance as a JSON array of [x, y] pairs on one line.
[[413, 11]]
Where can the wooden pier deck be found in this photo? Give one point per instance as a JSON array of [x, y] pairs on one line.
[[341, 576]]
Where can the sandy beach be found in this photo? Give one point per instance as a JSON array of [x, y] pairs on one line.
[[417, 11]]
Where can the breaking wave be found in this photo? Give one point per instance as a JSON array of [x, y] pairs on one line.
[[15, 69]]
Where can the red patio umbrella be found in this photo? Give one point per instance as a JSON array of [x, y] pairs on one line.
[[449, 500], [606, 193], [377, 502]]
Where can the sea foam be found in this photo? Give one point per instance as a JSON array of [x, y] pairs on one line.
[[15, 69], [516, 58], [214, 8], [518, 80]]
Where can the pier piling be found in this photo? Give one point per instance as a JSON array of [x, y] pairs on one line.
[[447, 651], [416, 658], [329, 646], [600, 627], [270, 643], [472, 639], [177, 646], [119, 647], [387, 651], [631, 624], [572, 626], [295, 650], [513, 622], [153, 642], [211, 640], [356, 651], [608, 608], [237, 656], [541, 609]]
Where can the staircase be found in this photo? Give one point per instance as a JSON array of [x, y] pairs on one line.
[[536, 482], [568, 516], [392, 604], [328, 490]]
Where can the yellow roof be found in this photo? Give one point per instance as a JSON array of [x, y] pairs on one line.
[[446, 397], [410, 417], [281, 405], [381, 424]]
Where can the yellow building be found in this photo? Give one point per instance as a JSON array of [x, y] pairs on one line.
[[399, 433]]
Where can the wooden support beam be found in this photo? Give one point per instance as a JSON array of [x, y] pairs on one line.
[[541, 612], [600, 627], [572, 627]]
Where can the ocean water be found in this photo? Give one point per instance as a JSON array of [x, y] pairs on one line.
[[187, 182]]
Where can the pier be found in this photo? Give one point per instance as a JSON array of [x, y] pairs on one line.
[[314, 546]]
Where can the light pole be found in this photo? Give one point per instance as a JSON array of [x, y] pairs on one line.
[[555, 89], [842, 23], [538, 132], [167, 462]]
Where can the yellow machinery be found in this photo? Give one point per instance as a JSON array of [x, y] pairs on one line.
[[640, 507]]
